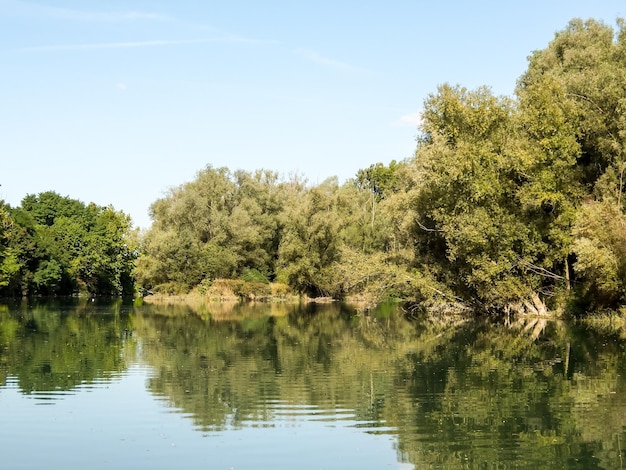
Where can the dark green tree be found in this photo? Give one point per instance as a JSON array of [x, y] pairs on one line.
[[56, 245]]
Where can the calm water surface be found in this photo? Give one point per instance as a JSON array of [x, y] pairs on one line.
[[89, 385]]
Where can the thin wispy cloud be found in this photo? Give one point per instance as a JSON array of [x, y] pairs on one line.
[[36, 10], [142, 44], [19, 8], [234, 38], [314, 56], [112, 45]]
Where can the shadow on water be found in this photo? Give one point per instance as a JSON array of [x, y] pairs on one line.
[[452, 393]]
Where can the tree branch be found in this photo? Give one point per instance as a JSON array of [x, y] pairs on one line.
[[538, 269], [426, 229]]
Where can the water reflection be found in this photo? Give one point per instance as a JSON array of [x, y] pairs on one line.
[[52, 349], [451, 394]]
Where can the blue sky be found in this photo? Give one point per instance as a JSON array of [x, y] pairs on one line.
[[113, 102]]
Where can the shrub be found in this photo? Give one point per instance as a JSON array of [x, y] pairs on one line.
[[170, 288], [253, 275]]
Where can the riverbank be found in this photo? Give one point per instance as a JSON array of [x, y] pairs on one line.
[[235, 290]]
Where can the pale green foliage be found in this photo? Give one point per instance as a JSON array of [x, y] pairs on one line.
[[575, 93], [374, 276], [374, 209], [341, 240], [500, 185], [586, 63], [508, 200], [310, 239], [214, 226], [600, 248], [381, 180], [9, 268], [468, 221]]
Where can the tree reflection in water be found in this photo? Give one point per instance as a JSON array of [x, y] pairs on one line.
[[452, 393]]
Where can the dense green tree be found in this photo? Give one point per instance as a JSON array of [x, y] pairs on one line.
[[469, 225], [370, 227], [106, 264], [572, 102], [22, 252], [310, 241], [218, 225], [381, 180], [503, 188], [54, 245], [47, 206], [10, 265], [600, 248], [585, 62], [254, 226], [508, 204]]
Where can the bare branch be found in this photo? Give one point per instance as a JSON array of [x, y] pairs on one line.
[[538, 269], [426, 229], [583, 97]]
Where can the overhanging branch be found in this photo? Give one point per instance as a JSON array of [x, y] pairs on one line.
[[426, 229]]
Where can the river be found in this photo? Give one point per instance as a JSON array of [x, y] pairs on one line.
[[104, 385]]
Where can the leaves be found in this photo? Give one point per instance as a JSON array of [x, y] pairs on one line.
[[55, 245]]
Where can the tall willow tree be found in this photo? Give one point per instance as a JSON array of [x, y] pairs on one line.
[[218, 225], [469, 226], [509, 204], [573, 102], [513, 198], [310, 243]]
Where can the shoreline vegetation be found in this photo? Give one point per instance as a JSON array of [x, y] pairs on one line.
[[509, 206], [233, 291]]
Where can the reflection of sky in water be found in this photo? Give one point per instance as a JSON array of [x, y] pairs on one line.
[[118, 424]]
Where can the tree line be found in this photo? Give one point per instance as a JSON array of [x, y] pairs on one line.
[[55, 245], [510, 204]]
